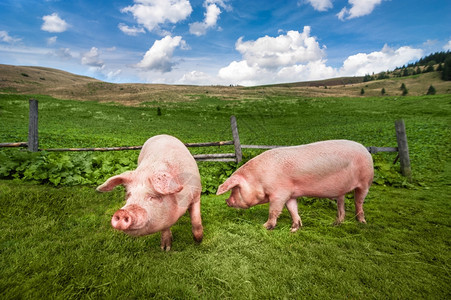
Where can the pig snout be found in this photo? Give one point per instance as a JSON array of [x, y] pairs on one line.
[[122, 220], [130, 218]]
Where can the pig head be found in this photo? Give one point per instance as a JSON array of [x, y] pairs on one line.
[[327, 169], [165, 184]]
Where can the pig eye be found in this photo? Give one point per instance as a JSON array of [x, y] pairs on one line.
[[153, 198]]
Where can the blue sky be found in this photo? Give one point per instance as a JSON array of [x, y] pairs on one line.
[[207, 42]]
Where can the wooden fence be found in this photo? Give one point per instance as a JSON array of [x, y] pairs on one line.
[[237, 156]]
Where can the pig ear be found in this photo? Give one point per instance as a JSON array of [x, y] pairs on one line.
[[165, 184], [114, 181], [230, 183]]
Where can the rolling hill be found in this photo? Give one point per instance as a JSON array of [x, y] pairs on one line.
[[64, 85]]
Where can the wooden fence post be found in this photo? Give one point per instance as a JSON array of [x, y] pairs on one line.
[[403, 149], [33, 142], [236, 140]]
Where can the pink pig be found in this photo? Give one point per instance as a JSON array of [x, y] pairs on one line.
[[164, 185], [327, 169]]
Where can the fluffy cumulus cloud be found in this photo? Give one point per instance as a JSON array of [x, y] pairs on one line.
[[320, 5], [284, 50], [378, 61], [151, 13], [5, 37], [159, 56], [213, 10], [292, 56], [358, 8], [239, 72], [92, 58], [297, 56], [53, 23]]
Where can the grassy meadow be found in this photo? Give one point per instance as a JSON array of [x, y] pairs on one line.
[[57, 242]]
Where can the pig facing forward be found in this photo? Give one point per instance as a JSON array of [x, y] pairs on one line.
[[327, 169], [164, 185]]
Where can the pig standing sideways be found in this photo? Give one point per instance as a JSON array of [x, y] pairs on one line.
[[327, 169], [164, 185]]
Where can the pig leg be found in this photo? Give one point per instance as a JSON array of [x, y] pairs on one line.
[[166, 239], [196, 221], [275, 208], [292, 206], [340, 210], [359, 197]]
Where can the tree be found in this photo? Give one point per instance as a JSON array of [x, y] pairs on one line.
[[446, 73], [383, 91], [405, 72], [362, 91], [430, 67], [431, 90], [405, 92]]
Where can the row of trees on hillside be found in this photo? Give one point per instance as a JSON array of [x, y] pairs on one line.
[[403, 88], [436, 62]]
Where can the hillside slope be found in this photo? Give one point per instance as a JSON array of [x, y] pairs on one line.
[[64, 85]]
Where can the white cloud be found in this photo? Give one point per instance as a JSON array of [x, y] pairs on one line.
[[290, 57], [159, 56], [134, 31], [284, 50], [320, 5], [447, 47], [53, 23], [211, 17], [358, 8], [63, 54], [311, 71], [92, 58], [297, 56], [239, 72], [196, 78], [51, 40], [152, 13], [5, 37], [378, 61], [112, 75]]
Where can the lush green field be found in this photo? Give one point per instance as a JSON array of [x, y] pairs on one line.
[[57, 242]]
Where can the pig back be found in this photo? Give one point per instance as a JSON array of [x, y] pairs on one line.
[[341, 163], [165, 153]]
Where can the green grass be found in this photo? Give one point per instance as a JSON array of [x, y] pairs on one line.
[[58, 243]]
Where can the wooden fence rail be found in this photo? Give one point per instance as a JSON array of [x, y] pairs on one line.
[[237, 156]]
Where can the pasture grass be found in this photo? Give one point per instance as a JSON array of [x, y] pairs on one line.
[[58, 243]]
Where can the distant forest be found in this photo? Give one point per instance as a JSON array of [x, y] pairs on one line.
[[435, 62]]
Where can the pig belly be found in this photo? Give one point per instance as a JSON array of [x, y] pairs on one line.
[[331, 186]]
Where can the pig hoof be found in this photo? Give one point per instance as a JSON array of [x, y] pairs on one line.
[[166, 246], [337, 222], [198, 239], [269, 226], [361, 219], [295, 227]]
